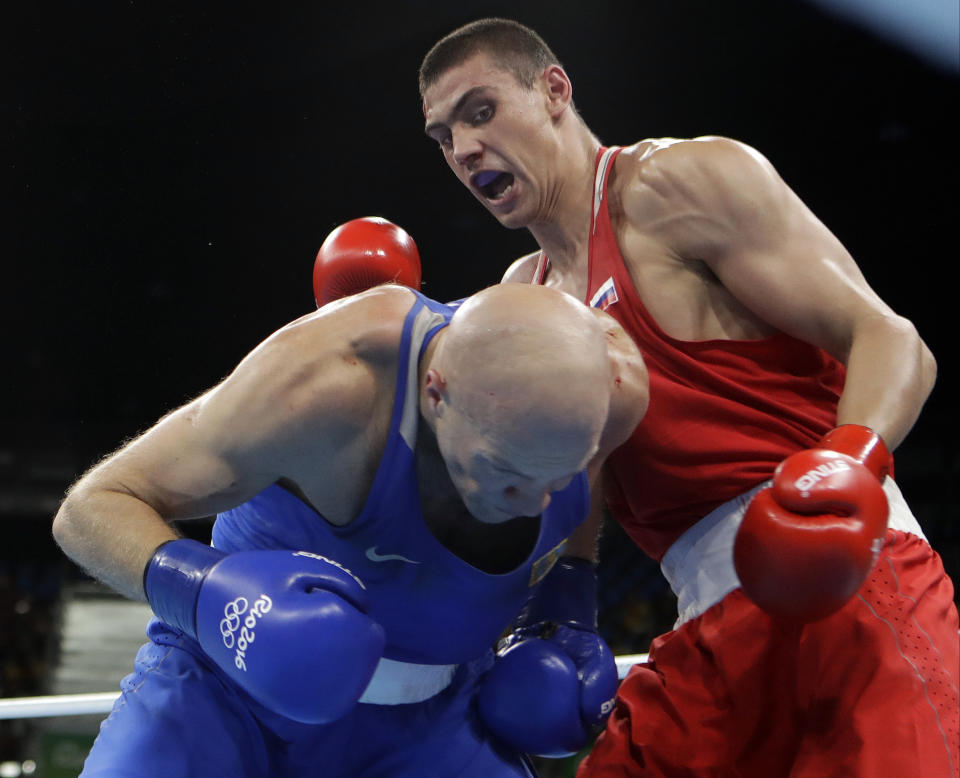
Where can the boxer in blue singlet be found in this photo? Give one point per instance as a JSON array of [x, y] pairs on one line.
[[342, 621]]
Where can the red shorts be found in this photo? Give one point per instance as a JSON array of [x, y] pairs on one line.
[[869, 691]]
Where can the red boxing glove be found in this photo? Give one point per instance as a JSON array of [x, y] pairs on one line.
[[363, 253], [808, 542]]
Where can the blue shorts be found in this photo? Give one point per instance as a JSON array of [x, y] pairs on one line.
[[178, 715]]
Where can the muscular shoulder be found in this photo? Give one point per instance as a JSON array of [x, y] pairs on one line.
[[691, 168], [326, 369], [522, 270], [364, 324], [368, 325], [696, 191]]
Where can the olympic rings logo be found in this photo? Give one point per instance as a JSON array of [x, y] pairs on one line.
[[233, 613]]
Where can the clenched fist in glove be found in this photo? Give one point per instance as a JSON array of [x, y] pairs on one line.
[[363, 253], [289, 627], [555, 678], [808, 542]]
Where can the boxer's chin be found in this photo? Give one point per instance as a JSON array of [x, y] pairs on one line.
[[507, 209]]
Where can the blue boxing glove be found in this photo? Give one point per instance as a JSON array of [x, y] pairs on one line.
[[289, 627], [554, 681]]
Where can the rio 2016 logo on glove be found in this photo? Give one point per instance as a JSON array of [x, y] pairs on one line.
[[232, 613]]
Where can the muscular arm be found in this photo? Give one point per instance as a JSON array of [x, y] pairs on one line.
[[291, 409], [725, 205]]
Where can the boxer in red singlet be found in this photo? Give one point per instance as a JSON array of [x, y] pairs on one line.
[[817, 633]]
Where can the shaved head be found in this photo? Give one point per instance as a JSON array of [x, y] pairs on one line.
[[512, 46], [526, 367]]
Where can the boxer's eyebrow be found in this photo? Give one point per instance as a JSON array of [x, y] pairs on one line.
[[457, 108]]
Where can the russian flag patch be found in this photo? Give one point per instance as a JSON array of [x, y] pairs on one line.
[[605, 296]]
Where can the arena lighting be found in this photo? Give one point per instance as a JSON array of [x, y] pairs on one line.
[[17, 769], [928, 28]]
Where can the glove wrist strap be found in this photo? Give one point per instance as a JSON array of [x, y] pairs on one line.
[[861, 443], [567, 596], [172, 580]]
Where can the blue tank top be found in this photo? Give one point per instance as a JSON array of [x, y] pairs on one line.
[[435, 607]]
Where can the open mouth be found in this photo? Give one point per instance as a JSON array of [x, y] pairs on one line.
[[492, 184]]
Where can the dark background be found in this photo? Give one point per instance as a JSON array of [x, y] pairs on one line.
[[170, 171]]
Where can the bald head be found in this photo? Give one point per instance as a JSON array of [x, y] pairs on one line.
[[526, 368], [523, 339]]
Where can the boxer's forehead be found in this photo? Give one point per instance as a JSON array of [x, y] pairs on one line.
[[456, 86]]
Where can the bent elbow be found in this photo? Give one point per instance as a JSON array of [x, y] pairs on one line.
[[63, 526], [925, 362], [928, 367], [919, 358], [71, 523]]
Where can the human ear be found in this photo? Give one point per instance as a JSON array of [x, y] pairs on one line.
[[558, 89], [435, 391]]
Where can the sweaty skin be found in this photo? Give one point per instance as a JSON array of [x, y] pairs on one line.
[[741, 291], [706, 221], [310, 407]]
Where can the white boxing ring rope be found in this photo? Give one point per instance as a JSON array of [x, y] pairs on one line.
[[57, 705], [102, 702]]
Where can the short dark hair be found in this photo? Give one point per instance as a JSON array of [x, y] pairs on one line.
[[512, 46]]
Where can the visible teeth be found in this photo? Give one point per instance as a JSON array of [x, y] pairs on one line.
[[497, 187]]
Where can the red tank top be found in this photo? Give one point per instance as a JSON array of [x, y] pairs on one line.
[[722, 415]]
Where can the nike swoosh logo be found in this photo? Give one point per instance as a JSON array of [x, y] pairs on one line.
[[373, 556]]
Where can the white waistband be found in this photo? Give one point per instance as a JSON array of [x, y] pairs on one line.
[[699, 565], [399, 683]]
